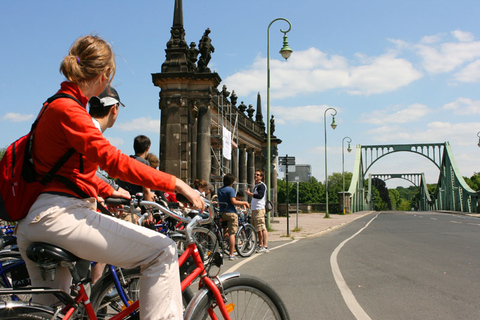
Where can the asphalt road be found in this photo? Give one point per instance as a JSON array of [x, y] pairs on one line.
[[394, 265]]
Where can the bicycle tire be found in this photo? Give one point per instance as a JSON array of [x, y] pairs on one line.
[[106, 302], [7, 280], [246, 240], [24, 313], [207, 241], [250, 298]]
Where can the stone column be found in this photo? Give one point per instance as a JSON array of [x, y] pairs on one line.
[[193, 160], [204, 160], [251, 168], [242, 165], [234, 164]]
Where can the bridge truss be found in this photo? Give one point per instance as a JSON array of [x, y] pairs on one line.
[[452, 192]]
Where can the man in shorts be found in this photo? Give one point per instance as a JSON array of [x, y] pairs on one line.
[[259, 198], [227, 201]]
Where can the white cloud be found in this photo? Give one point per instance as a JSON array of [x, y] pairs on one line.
[[463, 36], [411, 113], [312, 113], [117, 142], [384, 74], [432, 39], [140, 124], [16, 117], [463, 106], [440, 57], [458, 134], [471, 73], [313, 71]]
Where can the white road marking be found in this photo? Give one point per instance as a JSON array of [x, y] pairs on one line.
[[254, 255], [347, 294]]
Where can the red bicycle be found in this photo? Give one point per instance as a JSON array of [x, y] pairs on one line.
[[228, 296]]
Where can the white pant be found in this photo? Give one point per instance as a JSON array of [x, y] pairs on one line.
[[73, 224]]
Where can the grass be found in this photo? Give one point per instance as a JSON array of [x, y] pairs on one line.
[[297, 229]]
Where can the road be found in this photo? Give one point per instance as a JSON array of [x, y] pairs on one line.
[[392, 265]]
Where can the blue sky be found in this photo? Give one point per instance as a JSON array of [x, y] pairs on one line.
[[396, 72]]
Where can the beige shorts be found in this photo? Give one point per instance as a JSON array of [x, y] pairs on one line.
[[258, 219], [232, 219]]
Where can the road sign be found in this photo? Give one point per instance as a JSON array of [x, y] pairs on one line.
[[286, 161]]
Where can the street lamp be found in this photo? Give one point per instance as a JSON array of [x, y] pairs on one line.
[[478, 135], [333, 125], [285, 52], [343, 167]]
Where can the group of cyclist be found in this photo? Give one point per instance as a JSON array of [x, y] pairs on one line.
[[64, 218]]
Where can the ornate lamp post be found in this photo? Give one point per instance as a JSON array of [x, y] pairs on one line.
[[478, 135], [285, 52], [333, 125], [343, 168]]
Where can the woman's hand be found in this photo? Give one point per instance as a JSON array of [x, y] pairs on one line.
[[121, 193], [192, 195]]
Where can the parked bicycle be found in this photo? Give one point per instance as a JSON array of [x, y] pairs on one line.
[[245, 238], [229, 296]]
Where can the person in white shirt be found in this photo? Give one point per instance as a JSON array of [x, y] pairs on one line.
[[259, 199]]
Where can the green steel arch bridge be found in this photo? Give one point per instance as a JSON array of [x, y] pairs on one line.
[[452, 192]]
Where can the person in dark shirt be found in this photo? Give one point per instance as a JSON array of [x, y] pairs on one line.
[[228, 212], [141, 145]]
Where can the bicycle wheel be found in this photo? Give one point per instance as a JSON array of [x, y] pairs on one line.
[[105, 298], [13, 274], [246, 240], [25, 313], [248, 298], [207, 241], [106, 301]]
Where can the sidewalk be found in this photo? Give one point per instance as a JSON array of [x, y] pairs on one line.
[[309, 225]]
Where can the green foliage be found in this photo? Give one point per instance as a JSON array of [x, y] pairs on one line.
[[474, 181], [405, 205], [309, 192], [313, 191], [394, 198], [2, 152]]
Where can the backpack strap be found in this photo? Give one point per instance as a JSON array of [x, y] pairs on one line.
[[72, 186], [50, 174]]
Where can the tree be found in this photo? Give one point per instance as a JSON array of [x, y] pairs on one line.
[[2, 152], [474, 181], [394, 198], [309, 192]]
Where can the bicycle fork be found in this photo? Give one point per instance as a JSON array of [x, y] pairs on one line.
[[216, 287]]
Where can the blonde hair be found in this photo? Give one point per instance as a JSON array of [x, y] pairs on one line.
[[88, 57], [153, 159]]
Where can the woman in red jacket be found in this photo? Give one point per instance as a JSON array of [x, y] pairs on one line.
[[59, 216]]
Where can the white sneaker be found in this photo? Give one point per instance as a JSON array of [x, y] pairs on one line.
[[260, 250], [232, 257], [265, 250]]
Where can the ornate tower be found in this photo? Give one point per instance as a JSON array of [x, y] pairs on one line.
[[185, 103]]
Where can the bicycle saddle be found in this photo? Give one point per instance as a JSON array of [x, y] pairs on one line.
[[41, 251]]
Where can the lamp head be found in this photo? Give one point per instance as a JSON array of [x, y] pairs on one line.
[[333, 125], [286, 51], [349, 149]]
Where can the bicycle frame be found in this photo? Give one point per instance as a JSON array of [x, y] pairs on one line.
[[206, 282], [206, 285]]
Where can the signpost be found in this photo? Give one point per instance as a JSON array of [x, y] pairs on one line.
[[287, 161]]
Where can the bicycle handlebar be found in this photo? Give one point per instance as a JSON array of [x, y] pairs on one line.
[[185, 219]]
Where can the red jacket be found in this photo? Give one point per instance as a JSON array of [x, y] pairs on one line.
[[66, 124]]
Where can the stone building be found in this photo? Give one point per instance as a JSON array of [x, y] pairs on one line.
[[196, 117]]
